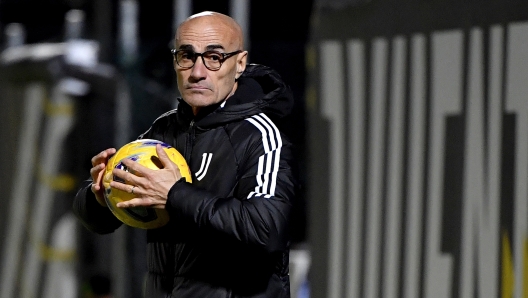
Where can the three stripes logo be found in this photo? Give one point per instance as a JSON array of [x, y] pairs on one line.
[[268, 165]]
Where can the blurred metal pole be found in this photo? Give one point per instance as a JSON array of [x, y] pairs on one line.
[[182, 10], [16, 223], [74, 24], [102, 21], [128, 32], [15, 35], [239, 10], [120, 251], [128, 39]]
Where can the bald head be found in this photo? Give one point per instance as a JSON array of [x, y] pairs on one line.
[[210, 22], [205, 39]]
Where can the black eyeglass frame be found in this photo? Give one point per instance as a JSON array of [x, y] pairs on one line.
[[225, 56]]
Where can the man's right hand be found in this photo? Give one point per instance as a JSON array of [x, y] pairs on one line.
[[97, 171]]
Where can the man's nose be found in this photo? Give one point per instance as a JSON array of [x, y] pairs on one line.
[[199, 70]]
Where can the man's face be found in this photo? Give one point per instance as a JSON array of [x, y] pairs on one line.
[[199, 86]]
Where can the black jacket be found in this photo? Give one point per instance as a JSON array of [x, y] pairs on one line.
[[228, 233]]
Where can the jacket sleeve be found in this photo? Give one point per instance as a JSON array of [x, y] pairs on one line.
[[258, 212], [91, 214]]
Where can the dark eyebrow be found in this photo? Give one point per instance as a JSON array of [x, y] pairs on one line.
[[188, 47], [214, 47]]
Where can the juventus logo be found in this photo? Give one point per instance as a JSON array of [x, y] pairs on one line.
[[206, 160]]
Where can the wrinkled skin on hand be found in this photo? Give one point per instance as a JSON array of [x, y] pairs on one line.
[[151, 186]]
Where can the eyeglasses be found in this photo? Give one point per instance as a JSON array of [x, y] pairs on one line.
[[211, 59]]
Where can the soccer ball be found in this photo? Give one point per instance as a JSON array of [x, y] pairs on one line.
[[142, 151]]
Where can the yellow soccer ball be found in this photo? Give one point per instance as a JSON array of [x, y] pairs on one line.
[[142, 151]]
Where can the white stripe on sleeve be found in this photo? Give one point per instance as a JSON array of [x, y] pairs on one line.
[[268, 165]]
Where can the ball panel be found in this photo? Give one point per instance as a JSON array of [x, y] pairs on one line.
[[139, 217]]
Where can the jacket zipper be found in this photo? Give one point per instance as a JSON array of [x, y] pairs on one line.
[[190, 141]]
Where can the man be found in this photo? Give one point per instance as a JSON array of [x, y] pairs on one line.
[[228, 233]]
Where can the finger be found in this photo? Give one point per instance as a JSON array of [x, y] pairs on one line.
[[132, 203], [95, 170], [95, 187], [125, 187], [128, 176], [100, 174], [110, 151], [135, 168], [164, 158], [103, 156], [140, 202]]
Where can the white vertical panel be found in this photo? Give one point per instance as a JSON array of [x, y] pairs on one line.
[[391, 276], [56, 129], [332, 102], [489, 276], [414, 224], [356, 135], [22, 180], [375, 183], [517, 102], [60, 276], [473, 185], [446, 99]]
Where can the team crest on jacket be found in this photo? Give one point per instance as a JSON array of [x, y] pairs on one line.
[[206, 161]]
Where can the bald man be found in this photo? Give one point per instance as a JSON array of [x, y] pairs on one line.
[[228, 234]]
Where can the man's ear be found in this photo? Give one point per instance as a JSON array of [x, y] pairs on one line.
[[241, 63]]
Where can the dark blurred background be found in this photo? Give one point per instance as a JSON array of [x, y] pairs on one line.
[[410, 128], [276, 36]]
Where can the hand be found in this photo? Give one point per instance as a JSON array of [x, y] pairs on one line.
[[150, 187], [97, 171]]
